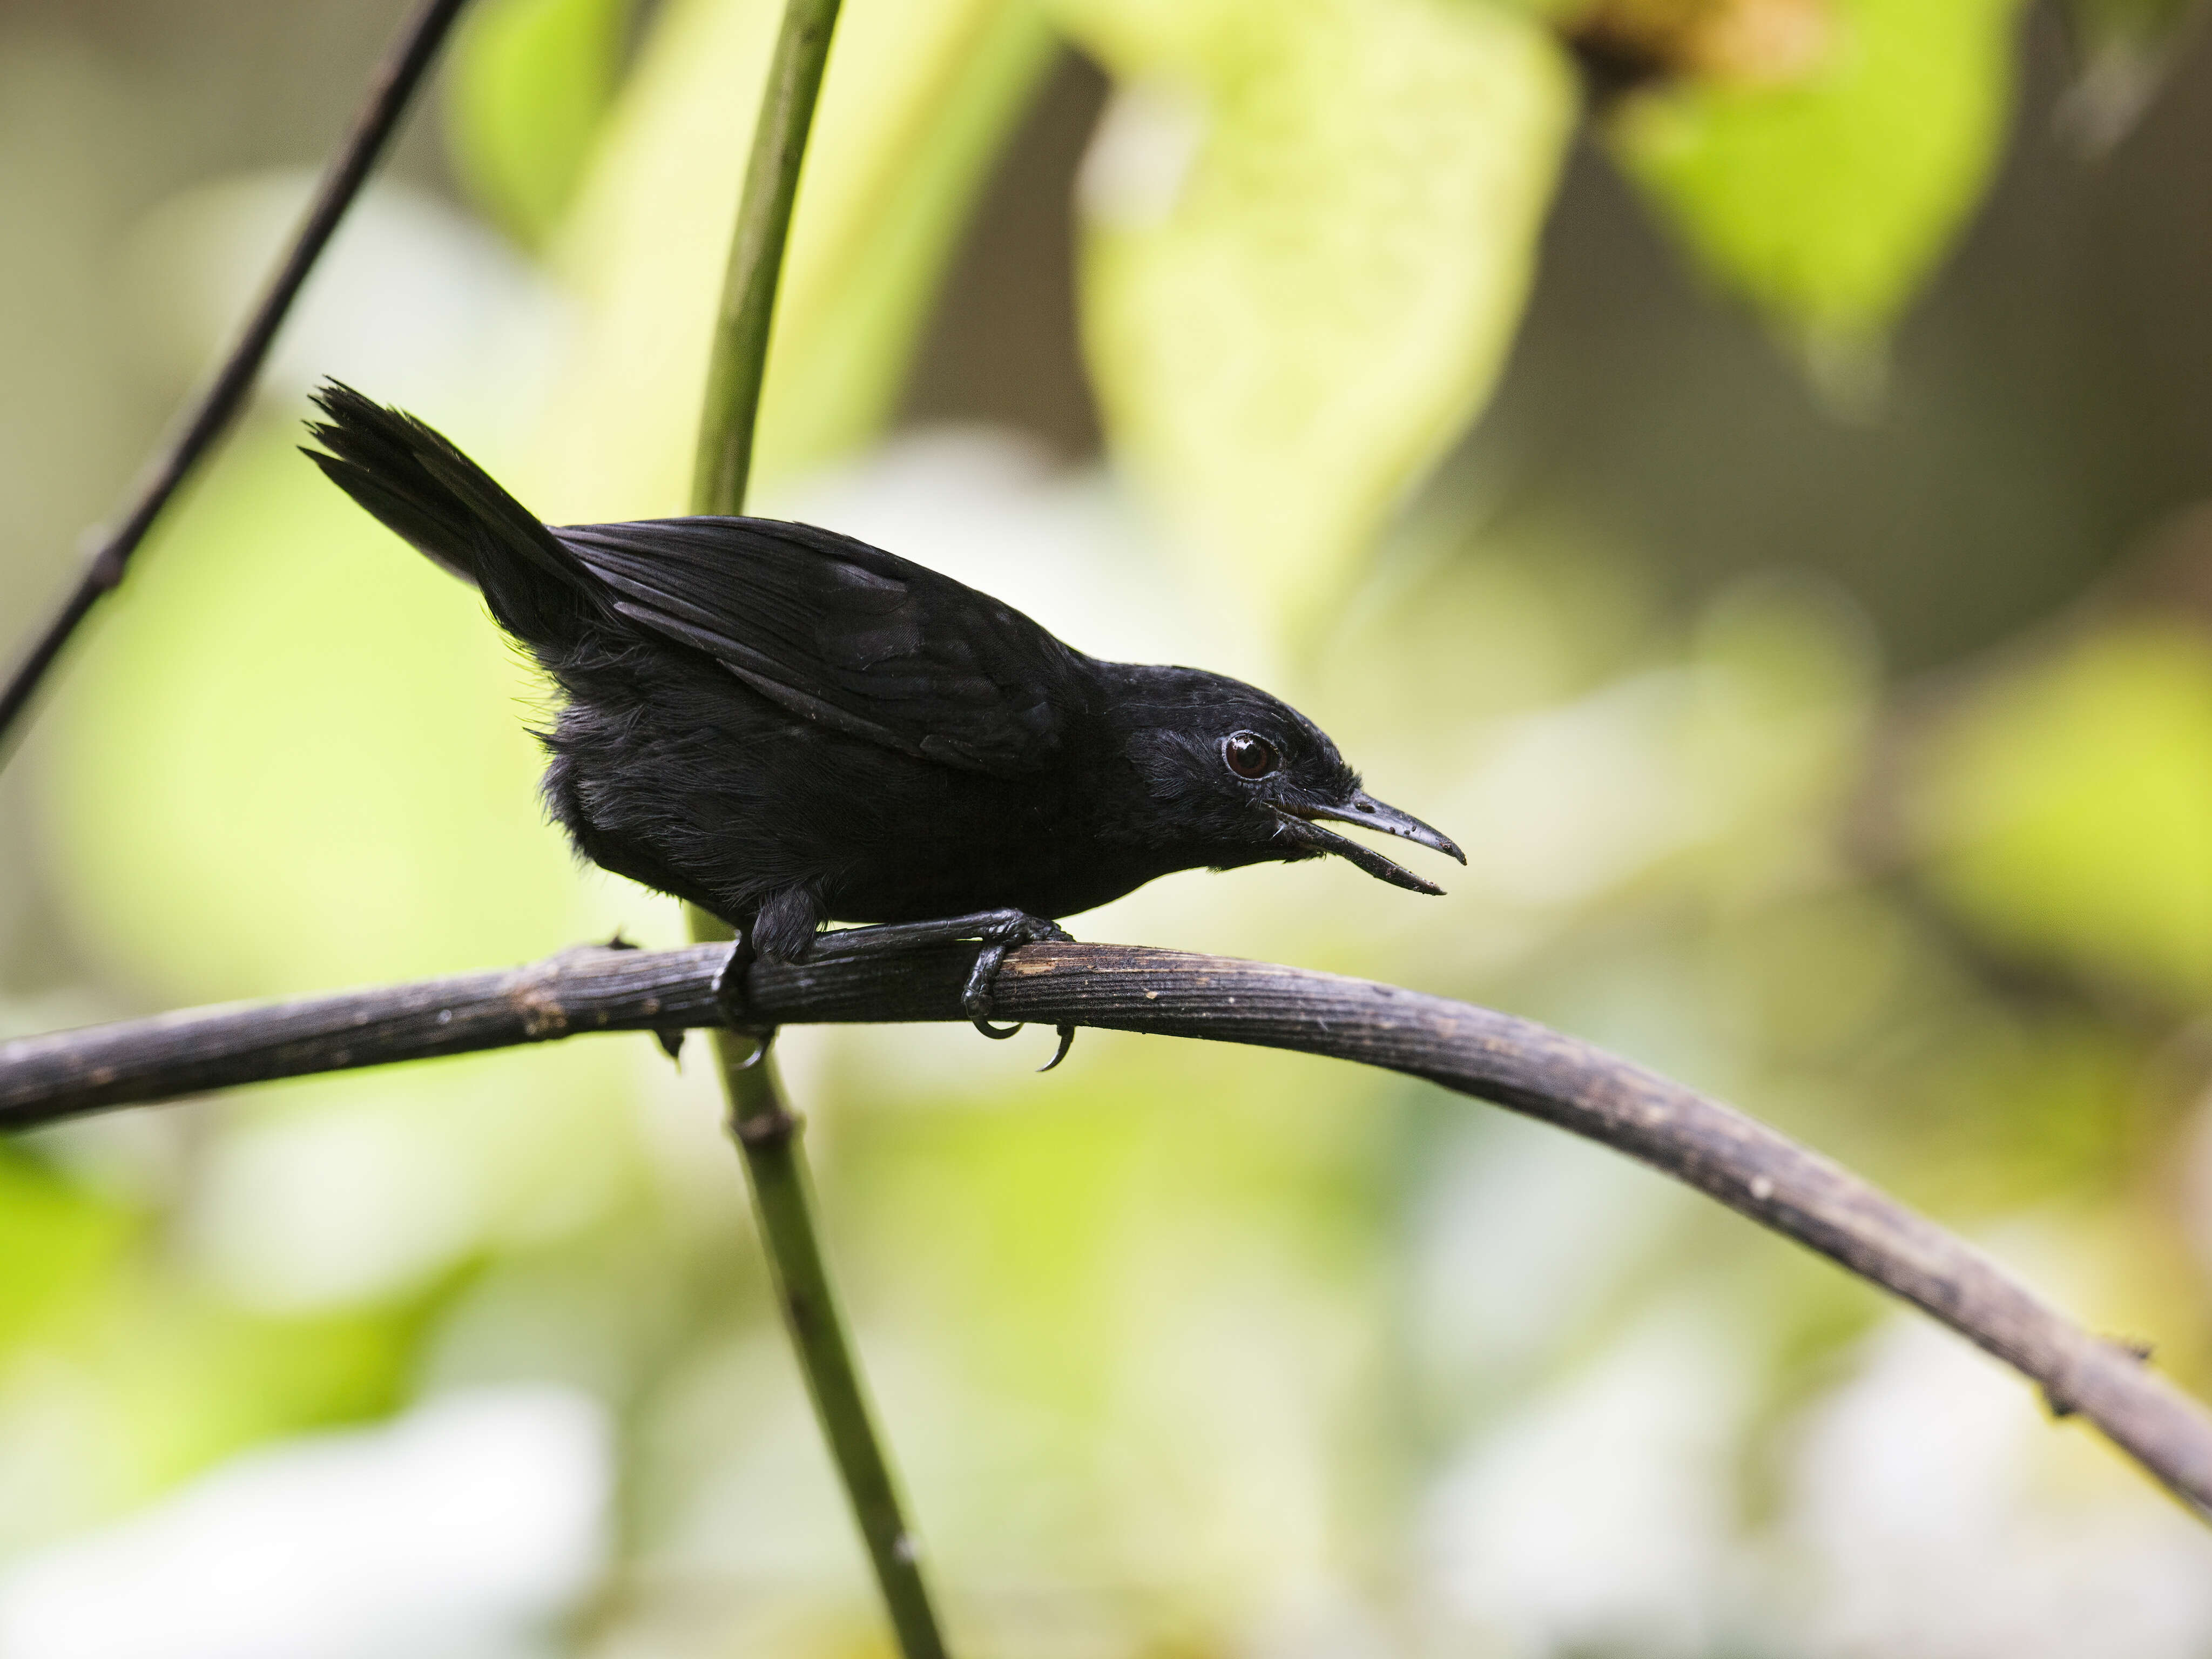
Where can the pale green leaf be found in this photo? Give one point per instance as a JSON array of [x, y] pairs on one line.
[[1309, 230], [528, 83], [917, 100], [296, 755], [2067, 811], [1829, 201], [187, 1381], [60, 1242]]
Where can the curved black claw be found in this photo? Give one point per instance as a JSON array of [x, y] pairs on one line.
[[982, 979], [730, 984], [975, 996], [1067, 1042], [736, 1006]]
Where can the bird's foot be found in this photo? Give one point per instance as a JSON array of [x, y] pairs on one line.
[[737, 1007], [1000, 932], [981, 989]]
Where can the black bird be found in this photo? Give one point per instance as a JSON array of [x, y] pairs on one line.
[[786, 727]]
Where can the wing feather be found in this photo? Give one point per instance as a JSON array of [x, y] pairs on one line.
[[837, 631]]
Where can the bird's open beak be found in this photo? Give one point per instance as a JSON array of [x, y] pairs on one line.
[[1297, 820]]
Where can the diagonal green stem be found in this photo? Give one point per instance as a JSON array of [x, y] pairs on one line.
[[738, 361], [768, 1134], [766, 1129]]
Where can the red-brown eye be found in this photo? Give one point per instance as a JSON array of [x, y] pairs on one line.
[[1249, 755]]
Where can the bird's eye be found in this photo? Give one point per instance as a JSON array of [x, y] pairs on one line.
[[1249, 755]]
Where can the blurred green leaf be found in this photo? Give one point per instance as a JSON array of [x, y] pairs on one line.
[[297, 755], [919, 97], [1828, 202], [191, 1381], [1154, 1300], [165, 1378], [1309, 230], [57, 1240], [2067, 811], [528, 85]]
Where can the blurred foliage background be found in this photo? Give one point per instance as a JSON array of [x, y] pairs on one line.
[[1744, 467]]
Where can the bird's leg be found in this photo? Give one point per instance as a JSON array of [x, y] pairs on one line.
[[999, 930]]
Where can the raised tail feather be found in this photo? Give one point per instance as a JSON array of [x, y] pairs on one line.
[[426, 491]]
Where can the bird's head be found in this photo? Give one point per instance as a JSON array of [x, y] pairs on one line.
[[1229, 767]]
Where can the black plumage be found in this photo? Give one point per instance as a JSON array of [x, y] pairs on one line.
[[788, 727]]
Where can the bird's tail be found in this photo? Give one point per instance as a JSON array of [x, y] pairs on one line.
[[428, 492]]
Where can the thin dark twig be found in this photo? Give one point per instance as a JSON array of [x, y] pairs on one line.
[[390, 89], [1756, 1172]]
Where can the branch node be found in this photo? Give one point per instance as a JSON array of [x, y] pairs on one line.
[[765, 1129], [106, 572]]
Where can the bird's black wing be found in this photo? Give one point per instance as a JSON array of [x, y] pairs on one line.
[[865, 642]]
